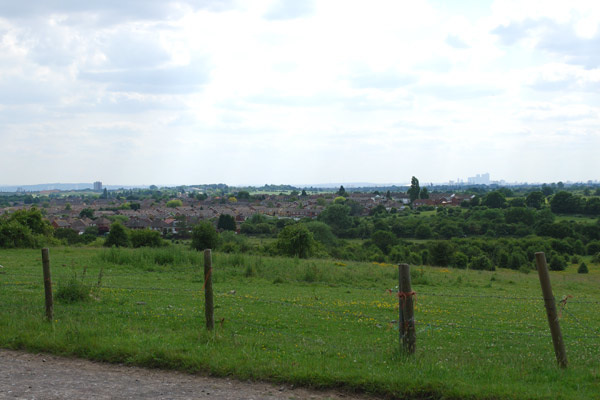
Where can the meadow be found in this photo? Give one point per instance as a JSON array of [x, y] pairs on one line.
[[317, 323]]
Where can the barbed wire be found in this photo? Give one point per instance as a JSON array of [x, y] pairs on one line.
[[595, 332]]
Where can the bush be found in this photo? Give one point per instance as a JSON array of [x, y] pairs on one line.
[[296, 241], [174, 203], [593, 248], [440, 253], [145, 238], [118, 236], [73, 291], [557, 263], [204, 236], [460, 260], [482, 263], [517, 260], [583, 269]]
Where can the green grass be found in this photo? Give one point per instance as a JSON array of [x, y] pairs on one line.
[[311, 322]]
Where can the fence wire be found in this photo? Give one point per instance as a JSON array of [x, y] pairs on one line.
[[421, 325]]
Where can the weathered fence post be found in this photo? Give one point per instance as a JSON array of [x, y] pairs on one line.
[[208, 291], [406, 305], [47, 284], [550, 303]]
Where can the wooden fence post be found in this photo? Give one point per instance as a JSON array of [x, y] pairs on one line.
[[47, 284], [208, 291], [408, 334], [550, 303]]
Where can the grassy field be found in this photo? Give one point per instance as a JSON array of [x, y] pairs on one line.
[[310, 322]]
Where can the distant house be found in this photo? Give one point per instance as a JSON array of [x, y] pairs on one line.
[[61, 223], [79, 226], [103, 225]]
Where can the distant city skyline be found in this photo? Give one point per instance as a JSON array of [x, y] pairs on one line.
[[99, 186], [299, 91]]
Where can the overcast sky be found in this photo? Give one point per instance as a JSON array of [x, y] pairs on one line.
[[299, 92]]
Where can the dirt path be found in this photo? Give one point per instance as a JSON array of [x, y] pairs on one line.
[[42, 377]]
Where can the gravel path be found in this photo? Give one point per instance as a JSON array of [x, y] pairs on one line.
[[44, 377]]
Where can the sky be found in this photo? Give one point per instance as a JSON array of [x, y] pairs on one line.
[[298, 92]]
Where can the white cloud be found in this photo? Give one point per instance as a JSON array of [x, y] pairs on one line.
[[278, 91]]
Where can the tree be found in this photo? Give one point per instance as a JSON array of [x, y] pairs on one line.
[[226, 222], [494, 199], [566, 203], [424, 193], [535, 200], [204, 236], [135, 206], [414, 190], [583, 269], [547, 190], [174, 203], [441, 253], [296, 241], [337, 216], [339, 200], [384, 240], [516, 215], [303, 193], [342, 191], [243, 195], [423, 231], [322, 233], [86, 213], [592, 206], [118, 236]]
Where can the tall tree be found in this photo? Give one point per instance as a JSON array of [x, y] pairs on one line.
[[226, 222], [414, 190]]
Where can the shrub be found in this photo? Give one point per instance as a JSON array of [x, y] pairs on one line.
[[204, 236], [557, 263], [73, 291], [296, 240], [516, 260], [118, 236], [593, 248], [460, 260], [145, 238], [174, 203], [482, 263], [440, 253], [583, 269]]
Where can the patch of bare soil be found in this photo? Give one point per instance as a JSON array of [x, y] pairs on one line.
[[40, 376]]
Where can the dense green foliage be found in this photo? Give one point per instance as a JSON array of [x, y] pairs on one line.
[[296, 241], [226, 222], [118, 236], [204, 236], [145, 238], [24, 228]]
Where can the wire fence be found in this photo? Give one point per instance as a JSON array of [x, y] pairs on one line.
[[422, 325]]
